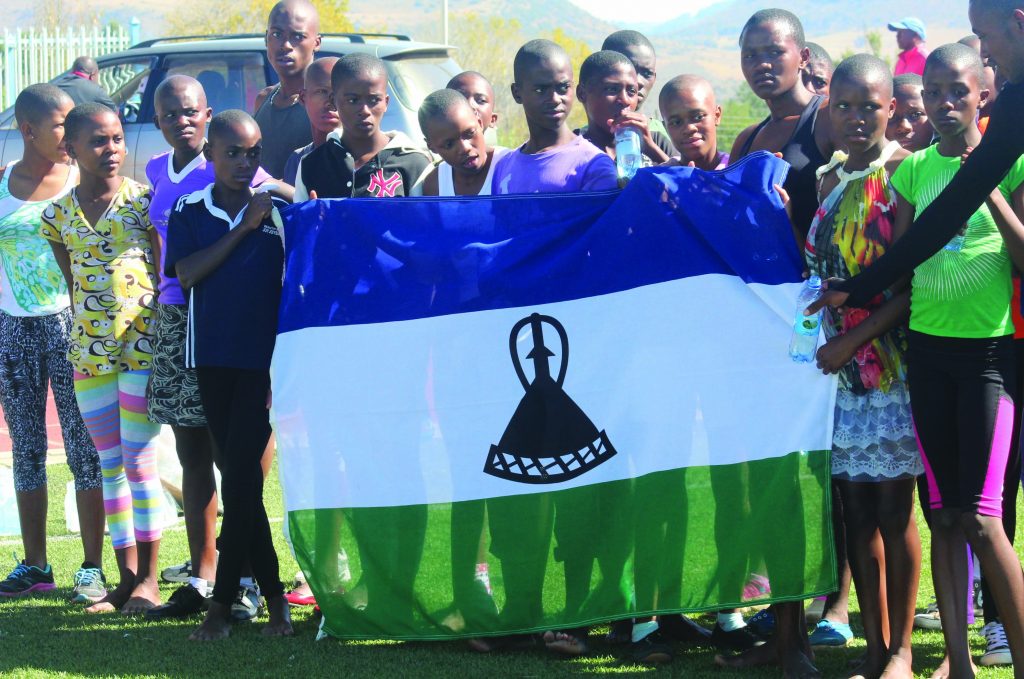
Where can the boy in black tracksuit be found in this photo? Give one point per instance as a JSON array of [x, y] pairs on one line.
[[360, 160]]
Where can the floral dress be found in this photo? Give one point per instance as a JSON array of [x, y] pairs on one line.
[[873, 438], [114, 277]]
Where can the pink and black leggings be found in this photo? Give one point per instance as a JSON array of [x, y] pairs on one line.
[[962, 397]]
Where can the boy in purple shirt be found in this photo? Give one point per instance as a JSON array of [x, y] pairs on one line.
[[553, 159], [173, 393]]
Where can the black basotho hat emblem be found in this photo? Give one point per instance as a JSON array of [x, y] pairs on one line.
[[549, 438]]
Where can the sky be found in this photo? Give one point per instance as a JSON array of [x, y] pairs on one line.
[[624, 12]]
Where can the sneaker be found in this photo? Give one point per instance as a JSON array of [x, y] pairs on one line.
[[739, 640], [978, 599], [930, 618], [828, 634], [653, 649], [247, 605], [90, 585], [27, 579], [179, 573], [756, 587], [683, 629], [762, 623], [997, 650], [184, 602]]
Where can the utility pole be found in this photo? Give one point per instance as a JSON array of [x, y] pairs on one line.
[[444, 21]]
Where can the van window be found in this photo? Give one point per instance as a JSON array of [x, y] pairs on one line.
[[231, 79]]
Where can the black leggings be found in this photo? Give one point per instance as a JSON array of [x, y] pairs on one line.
[[235, 402], [961, 396]]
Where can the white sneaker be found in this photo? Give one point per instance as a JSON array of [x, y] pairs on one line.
[[997, 650], [930, 618]]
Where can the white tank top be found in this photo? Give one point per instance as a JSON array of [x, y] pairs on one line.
[[445, 185]]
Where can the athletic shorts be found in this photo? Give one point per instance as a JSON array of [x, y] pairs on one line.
[[173, 392], [962, 397]]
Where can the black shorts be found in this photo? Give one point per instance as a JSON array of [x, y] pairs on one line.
[[962, 399]]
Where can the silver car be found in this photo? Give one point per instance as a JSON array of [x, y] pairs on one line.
[[233, 69]]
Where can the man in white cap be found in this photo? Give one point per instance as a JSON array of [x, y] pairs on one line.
[[910, 37]]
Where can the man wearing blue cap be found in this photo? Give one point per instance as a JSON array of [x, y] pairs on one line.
[[910, 37]]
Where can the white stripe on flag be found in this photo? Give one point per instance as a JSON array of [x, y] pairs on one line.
[[678, 374]]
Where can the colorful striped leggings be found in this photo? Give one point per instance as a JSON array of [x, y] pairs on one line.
[[114, 409]]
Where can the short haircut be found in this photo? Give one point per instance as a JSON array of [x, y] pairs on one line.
[[453, 83], [82, 115], [819, 55], [1005, 6], [863, 68], [777, 17], [972, 41], [357, 65], [439, 103], [85, 64], [680, 84], [907, 80], [178, 82], [284, 5], [958, 56], [600, 63], [228, 120], [623, 40], [325, 64], [535, 52], [37, 101]]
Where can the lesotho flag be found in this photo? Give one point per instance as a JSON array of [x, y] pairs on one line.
[[521, 413]]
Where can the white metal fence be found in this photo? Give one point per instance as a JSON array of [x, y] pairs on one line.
[[30, 55]]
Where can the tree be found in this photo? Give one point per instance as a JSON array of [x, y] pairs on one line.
[[58, 15], [489, 45], [213, 17]]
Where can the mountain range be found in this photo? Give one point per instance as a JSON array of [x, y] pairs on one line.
[[704, 42]]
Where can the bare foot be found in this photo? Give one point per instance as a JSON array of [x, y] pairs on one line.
[[870, 668], [796, 665], [942, 671], [114, 600], [899, 667], [765, 654], [280, 624], [216, 625], [564, 643], [145, 595]]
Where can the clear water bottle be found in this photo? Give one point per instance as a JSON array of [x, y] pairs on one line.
[[628, 153], [804, 342]]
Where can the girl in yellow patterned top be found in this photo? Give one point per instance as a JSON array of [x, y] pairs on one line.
[[100, 236]]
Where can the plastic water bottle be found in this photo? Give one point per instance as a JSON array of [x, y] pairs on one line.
[[804, 342], [628, 153]]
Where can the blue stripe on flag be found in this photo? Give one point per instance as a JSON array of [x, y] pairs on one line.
[[357, 261]]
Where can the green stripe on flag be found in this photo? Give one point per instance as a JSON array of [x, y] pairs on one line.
[[701, 538]]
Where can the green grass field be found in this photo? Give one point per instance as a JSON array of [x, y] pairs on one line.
[[45, 636]]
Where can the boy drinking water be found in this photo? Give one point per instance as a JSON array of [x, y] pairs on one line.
[[361, 160], [225, 250], [608, 91]]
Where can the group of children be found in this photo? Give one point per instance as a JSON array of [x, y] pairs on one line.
[[157, 330]]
